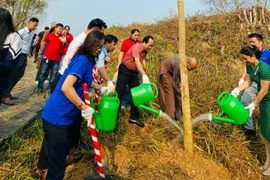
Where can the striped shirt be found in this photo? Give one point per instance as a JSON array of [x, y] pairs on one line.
[[12, 48]]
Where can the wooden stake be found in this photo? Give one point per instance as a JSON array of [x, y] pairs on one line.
[[188, 141]]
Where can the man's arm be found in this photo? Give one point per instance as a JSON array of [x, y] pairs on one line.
[[139, 66]]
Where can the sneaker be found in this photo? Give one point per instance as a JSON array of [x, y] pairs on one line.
[[137, 122]]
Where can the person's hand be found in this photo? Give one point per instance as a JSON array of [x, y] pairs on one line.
[[111, 87], [102, 89], [87, 115], [145, 79], [241, 82], [235, 92], [251, 107], [38, 62]]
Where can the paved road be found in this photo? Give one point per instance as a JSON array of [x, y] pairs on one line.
[[26, 107]]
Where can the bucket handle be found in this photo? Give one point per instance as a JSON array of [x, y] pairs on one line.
[[156, 89]]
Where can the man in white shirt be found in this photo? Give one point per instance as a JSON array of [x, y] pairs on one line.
[[18, 71]]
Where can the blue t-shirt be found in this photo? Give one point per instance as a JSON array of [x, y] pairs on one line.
[[59, 110], [265, 56], [101, 57]]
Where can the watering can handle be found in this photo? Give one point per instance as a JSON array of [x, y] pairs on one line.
[[220, 96], [155, 87]]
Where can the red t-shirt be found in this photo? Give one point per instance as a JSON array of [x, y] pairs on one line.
[[54, 46], [135, 51], [127, 44], [69, 39]]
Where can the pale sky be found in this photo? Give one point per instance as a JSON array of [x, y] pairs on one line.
[[78, 13]]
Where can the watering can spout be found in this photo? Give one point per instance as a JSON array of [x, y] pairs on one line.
[[157, 112], [218, 118]]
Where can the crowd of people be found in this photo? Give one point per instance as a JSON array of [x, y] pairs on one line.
[[70, 62]]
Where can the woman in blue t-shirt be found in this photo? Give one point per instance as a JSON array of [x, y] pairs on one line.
[[64, 103]]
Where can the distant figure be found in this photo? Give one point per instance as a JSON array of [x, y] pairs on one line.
[[10, 49], [33, 45], [40, 36], [126, 45], [18, 71], [51, 58], [169, 85], [68, 38]]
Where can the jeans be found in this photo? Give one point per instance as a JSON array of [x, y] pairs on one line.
[[46, 66], [248, 96]]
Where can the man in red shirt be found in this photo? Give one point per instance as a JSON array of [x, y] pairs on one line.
[[127, 74], [51, 58]]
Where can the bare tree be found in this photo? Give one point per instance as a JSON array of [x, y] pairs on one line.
[[21, 10], [231, 5]]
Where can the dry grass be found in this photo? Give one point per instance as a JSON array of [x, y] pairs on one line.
[[155, 152]]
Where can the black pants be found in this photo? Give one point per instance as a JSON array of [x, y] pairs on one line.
[[4, 80], [130, 78], [55, 144], [17, 74]]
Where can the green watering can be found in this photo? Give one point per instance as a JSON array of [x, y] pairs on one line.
[[144, 94], [106, 117], [233, 108]]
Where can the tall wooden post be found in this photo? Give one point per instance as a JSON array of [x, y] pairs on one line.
[[186, 118]]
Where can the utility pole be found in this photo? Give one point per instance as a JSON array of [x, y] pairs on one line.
[[188, 141]]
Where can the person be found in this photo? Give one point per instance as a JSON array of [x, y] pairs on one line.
[[40, 36], [127, 74], [68, 37], [18, 71], [168, 83], [74, 128], [251, 92], [10, 48], [259, 72], [99, 72], [50, 62], [126, 45], [65, 102], [33, 45], [95, 24], [46, 32]]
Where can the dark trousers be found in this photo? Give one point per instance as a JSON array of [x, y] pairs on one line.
[[4, 80], [17, 74], [130, 78], [74, 137], [55, 144]]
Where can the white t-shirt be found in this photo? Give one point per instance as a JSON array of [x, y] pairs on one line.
[[77, 42]]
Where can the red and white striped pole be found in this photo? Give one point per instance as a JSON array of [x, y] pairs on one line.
[[94, 134]]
